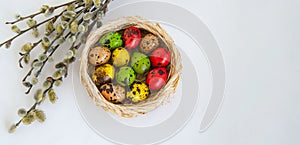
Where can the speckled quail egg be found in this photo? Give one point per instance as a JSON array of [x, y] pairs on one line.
[[140, 62], [99, 55], [112, 40], [103, 74], [125, 76], [120, 57], [148, 43], [113, 93], [139, 92]]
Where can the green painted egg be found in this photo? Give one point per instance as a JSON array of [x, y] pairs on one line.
[[125, 76], [112, 40], [140, 62]]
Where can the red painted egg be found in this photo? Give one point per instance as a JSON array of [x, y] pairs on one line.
[[160, 57], [157, 78], [132, 37]]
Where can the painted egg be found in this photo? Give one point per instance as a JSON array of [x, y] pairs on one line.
[[157, 78], [132, 37], [103, 74], [139, 92], [112, 40], [99, 55], [120, 57], [160, 57], [125, 76], [140, 62], [113, 93], [149, 43]]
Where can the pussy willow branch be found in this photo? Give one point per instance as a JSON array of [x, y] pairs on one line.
[[38, 13], [72, 47], [67, 61], [43, 64], [54, 18], [27, 53], [33, 107], [36, 43], [55, 39], [37, 25], [52, 80], [52, 52]]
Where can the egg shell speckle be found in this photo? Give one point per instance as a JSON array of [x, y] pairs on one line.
[[113, 93], [112, 40], [99, 55], [125, 76], [140, 62], [139, 92], [149, 43], [103, 74]]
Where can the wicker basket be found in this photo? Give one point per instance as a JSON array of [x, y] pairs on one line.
[[154, 100]]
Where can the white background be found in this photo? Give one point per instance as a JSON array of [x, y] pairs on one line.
[[260, 42]]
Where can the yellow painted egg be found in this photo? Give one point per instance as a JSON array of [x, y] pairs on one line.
[[139, 92], [103, 74], [120, 57]]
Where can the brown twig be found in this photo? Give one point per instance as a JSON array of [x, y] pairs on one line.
[[26, 30], [38, 13], [51, 53], [27, 53], [33, 107]]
